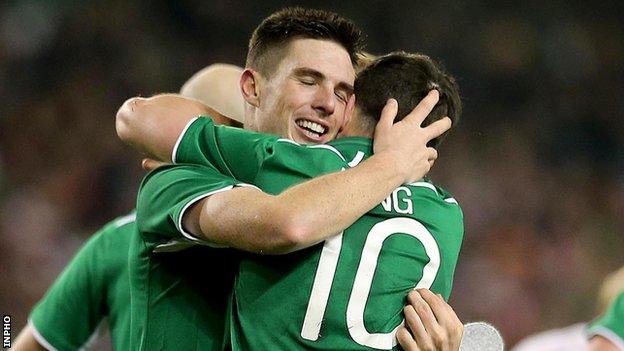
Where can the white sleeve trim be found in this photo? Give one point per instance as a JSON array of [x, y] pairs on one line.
[[328, 147], [245, 185], [186, 207], [125, 220], [608, 334], [177, 144], [289, 141], [192, 237], [40, 339], [359, 156]]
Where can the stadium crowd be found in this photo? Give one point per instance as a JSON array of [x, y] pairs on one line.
[[536, 163]]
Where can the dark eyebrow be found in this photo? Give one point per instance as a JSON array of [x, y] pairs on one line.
[[305, 71]]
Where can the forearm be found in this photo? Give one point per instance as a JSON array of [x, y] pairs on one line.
[[26, 341], [152, 125], [327, 205], [299, 217]]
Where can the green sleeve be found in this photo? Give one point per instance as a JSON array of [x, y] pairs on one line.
[[73, 307], [167, 192], [611, 324], [244, 154]]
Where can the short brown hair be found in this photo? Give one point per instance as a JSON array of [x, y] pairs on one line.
[[407, 78], [276, 31]]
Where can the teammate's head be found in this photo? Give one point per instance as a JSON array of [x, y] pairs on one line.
[[299, 74], [407, 78], [217, 86]]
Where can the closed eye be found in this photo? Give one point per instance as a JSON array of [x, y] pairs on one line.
[[341, 96]]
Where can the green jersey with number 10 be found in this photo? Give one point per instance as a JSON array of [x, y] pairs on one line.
[[348, 292]]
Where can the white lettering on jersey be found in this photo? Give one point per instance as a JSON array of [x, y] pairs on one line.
[[402, 204]]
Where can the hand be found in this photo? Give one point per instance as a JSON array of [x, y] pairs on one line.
[[149, 164], [432, 322], [405, 142], [600, 343]]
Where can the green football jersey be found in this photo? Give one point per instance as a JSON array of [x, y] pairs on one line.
[[611, 324], [92, 287], [179, 287], [347, 293]]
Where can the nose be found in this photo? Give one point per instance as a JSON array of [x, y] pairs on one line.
[[324, 101]]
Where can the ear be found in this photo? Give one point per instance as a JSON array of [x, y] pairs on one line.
[[349, 109], [249, 81]]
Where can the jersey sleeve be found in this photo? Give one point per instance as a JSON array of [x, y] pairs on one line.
[[232, 151], [611, 324], [168, 192], [75, 304], [243, 154]]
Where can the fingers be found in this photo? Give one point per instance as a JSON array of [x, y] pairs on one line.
[[149, 164], [421, 111], [406, 340], [448, 329], [437, 128], [388, 114], [419, 332], [432, 154], [422, 308], [435, 302]]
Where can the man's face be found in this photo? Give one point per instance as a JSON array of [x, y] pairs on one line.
[[306, 97]]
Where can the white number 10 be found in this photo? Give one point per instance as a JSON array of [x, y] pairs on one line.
[[364, 279]]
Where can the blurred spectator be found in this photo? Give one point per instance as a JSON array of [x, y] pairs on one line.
[[537, 162]]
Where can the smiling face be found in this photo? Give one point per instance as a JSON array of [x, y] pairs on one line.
[[306, 98]]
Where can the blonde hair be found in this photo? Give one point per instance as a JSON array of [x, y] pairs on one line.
[[363, 60]]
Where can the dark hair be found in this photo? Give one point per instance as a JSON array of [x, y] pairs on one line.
[[276, 31], [407, 78]]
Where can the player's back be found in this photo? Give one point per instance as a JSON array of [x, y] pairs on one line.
[[348, 293]]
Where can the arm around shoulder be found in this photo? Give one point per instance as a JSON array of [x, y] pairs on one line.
[[153, 125], [248, 219]]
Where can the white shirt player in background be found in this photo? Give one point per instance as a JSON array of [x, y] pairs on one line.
[[576, 337]]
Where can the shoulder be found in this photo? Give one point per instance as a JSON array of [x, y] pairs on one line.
[[115, 233], [107, 249], [181, 173], [427, 189], [318, 152]]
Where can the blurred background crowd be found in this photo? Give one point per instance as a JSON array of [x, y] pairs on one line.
[[537, 162]]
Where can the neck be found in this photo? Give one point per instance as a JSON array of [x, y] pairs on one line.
[[357, 129], [250, 120]]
